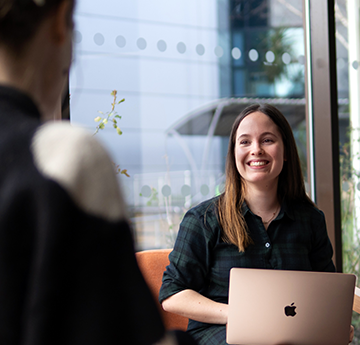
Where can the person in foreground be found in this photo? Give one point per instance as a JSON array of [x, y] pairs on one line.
[[67, 265], [264, 219]]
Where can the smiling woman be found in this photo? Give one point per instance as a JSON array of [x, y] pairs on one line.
[[264, 219], [269, 124]]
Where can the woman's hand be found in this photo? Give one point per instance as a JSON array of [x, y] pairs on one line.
[[351, 334]]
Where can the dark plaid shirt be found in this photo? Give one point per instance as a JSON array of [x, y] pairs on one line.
[[296, 240]]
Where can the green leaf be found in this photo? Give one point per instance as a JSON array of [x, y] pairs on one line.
[[118, 116], [101, 125], [97, 119], [118, 130], [123, 100]]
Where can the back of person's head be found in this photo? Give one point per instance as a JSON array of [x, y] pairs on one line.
[[20, 19], [291, 181]]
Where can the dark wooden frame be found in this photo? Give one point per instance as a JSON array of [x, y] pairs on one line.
[[325, 122]]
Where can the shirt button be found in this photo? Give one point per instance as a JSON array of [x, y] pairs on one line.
[[267, 244]]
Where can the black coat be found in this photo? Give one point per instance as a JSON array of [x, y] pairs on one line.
[[68, 273]]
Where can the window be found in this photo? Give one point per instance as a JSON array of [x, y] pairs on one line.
[[186, 69], [348, 83]]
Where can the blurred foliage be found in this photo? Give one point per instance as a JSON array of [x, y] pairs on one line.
[[278, 42], [350, 230]]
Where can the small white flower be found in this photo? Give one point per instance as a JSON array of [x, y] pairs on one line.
[[39, 2]]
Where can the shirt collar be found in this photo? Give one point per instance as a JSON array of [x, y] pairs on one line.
[[245, 209]]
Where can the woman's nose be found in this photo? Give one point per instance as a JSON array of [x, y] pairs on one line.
[[257, 150]]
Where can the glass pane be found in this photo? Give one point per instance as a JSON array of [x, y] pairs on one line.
[[186, 69], [347, 14]]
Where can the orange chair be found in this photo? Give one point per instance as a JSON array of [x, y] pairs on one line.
[[152, 264]]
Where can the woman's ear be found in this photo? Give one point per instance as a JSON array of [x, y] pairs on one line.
[[61, 24]]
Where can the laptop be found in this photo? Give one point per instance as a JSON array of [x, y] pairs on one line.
[[277, 307]]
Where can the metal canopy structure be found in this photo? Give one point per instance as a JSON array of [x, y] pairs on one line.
[[216, 118]]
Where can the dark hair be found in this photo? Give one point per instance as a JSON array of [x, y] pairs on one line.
[[19, 20], [291, 185]]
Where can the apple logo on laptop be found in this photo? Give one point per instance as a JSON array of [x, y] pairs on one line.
[[290, 310]]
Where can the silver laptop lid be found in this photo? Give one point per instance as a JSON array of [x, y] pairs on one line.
[[268, 307]]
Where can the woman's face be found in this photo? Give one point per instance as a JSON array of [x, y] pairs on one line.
[[259, 151], [58, 60]]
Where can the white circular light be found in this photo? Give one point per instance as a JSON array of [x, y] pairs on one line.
[[99, 39], [161, 45], [253, 55], [181, 47], [236, 53], [270, 56], [301, 59], [200, 49], [286, 58], [141, 43], [219, 52], [120, 41]]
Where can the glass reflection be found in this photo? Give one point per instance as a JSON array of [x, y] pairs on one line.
[[185, 69]]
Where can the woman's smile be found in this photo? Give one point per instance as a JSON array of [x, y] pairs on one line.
[[258, 163]]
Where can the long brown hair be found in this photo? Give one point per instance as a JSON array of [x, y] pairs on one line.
[[20, 19], [291, 185]]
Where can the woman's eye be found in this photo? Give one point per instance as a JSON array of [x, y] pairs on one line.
[[268, 141], [244, 142]]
